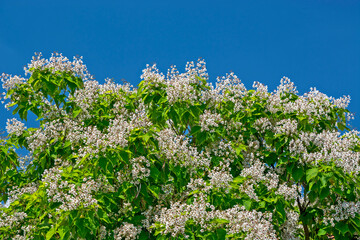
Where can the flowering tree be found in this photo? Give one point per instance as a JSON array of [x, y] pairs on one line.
[[175, 158]]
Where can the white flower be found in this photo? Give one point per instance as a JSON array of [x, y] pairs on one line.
[[13, 126]]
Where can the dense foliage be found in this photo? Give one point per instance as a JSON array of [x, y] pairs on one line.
[[175, 158]]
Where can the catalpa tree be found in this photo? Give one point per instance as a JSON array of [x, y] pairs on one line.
[[174, 158]]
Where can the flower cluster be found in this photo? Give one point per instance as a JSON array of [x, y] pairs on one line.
[[70, 195], [333, 148], [58, 63], [138, 169], [13, 126], [11, 220], [10, 82], [127, 232], [16, 192], [220, 177], [176, 148], [209, 120], [286, 127], [341, 211], [256, 225]]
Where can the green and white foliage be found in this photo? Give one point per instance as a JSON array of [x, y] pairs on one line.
[[174, 158]]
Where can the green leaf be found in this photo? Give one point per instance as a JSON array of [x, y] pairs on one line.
[[343, 227], [125, 156], [143, 236], [324, 193], [146, 137], [321, 232], [195, 129], [341, 126], [247, 204], [238, 179], [312, 196], [281, 209], [50, 233], [52, 87], [81, 225], [220, 221], [103, 216], [311, 173], [297, 173], [220, 234], [238, 148], [103, 163], [324, 181], [155, 190], [62, 231], [154, 172], [77, 112]]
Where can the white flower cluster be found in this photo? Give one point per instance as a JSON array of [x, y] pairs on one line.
[[102, 232], [70, 195], [341, 211], [228, 88], [286, 86], [50, 131], [261, 90], [57, 62], [127, 232], [11, 220], [297, 146], [13, 126], [221, 149], [139, 169], [16, 192], [313, 104], [289, 193], [149, 215], [25, 161], [37, 139], [85, 97], [263, 124], [257, 174], [342, 102], [286, 127], [220, 177], [256, 225], [178, 86], [209, 120], [26, 232], [10, 82], [291, 225], [151, 74], [333, 148], [114, 136], [198, 184], [232, 125], [177, 149]]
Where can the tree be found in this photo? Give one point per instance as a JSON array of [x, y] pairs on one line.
[[175, 158]]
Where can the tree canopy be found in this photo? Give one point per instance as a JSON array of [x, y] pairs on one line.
[[174, 158]]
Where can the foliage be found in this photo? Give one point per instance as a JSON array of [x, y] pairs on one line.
[[175, 158]]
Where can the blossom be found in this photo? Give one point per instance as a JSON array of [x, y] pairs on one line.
[[13, 126]]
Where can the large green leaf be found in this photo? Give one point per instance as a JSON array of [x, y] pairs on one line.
[[311, 173]]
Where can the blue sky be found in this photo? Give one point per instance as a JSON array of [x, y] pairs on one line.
[[316, 43]]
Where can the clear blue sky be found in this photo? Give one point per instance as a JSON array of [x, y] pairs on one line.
[[316, 43]]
